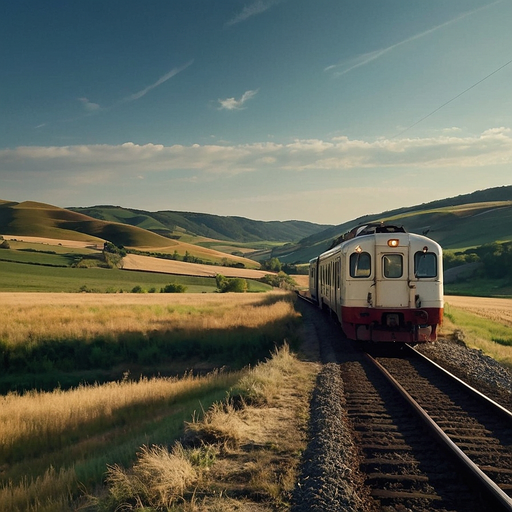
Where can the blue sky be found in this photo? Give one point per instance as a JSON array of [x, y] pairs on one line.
[[268, 109]]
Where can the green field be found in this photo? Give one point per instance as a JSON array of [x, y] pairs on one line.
[[478, 287], [19, 277]]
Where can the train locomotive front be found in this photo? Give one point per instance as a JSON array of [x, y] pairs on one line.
[[382, 283]]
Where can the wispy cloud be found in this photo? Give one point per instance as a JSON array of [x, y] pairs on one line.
[[234, 104], [252, 10], [492, 147], [345, 67], [91, 107], [160, 81]]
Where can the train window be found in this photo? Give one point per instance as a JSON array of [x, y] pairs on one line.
[[392, 265], [360, 264], [425, 264]]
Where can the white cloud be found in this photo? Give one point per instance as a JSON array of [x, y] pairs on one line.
[[234, 104], [252, 10], [106, 162], [89, 105]]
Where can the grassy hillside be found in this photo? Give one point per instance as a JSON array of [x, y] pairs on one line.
[[42, 220], [233, 229], [456, 223]]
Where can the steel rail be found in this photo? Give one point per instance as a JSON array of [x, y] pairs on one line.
[[492, 488], [477, 393]]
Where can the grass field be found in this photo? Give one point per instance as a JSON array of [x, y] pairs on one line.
[[55, 443], [486, 324], [17, 277], [50, 340], [43, 265], [37, 278], [477, 287]]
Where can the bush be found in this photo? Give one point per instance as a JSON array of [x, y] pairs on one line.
[[280, 280], [174, 288], [236, 284]]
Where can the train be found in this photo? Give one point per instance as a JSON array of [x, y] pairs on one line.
[[382, 283]]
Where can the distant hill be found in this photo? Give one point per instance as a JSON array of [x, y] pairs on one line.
[[174, 224], [43, 220], [459, 222]]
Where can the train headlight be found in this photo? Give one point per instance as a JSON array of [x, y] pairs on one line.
[[393, 242]]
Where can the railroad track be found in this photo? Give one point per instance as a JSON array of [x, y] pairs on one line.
[[474, 429], [404, 463]]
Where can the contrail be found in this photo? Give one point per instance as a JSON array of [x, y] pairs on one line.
[[160, 81], [366, 58]]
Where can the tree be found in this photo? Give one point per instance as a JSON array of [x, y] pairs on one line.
[[273, 264], [174, 288], [226, 284]]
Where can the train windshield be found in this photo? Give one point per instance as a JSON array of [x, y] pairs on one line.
[[425, 264], [393, 266], [360, 264]]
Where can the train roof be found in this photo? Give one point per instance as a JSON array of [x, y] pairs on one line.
[[368, 229]]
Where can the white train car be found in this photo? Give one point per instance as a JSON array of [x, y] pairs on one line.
[[383, 284]]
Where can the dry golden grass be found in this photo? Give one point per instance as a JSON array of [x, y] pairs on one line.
[[42, 416], [256, 445], [39, 494], [148, 263], [37, 422], [499, 310], [144, 262], [483, 323], [33, 317], [158, 479], [302, 281]]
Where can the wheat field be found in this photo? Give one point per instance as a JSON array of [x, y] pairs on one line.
[[484, 323], [499, 310], [51, 441], [35, 316]]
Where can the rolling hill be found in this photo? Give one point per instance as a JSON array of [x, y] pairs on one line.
[[457, 223], [46, 221], [174, 224]]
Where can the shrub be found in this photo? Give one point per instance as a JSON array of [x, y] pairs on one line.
[[236, 284], [174, 288], [159, 479], [280, 280]]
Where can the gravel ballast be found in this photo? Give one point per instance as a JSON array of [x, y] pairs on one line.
[[330, 478]]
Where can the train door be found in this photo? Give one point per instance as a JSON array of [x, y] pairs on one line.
[[337, 286], [391, 275]]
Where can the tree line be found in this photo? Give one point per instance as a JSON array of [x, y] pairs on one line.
[[495, 259]]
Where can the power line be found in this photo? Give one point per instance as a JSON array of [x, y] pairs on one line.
[[453, 99]]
